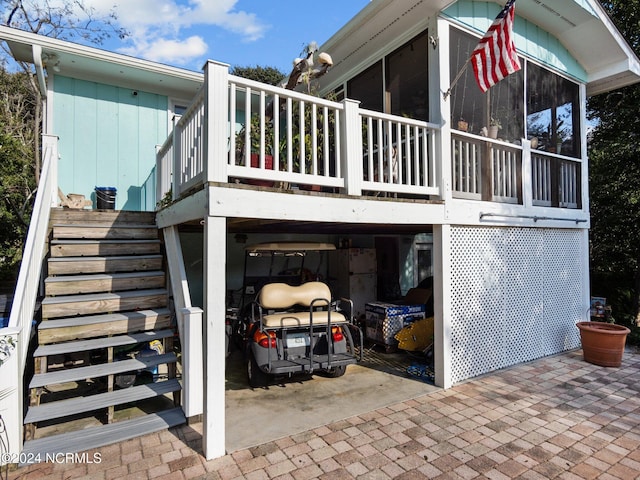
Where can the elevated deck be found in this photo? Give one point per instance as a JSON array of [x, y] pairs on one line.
[[348, 165]]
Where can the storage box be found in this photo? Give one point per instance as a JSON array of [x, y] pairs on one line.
[[384, 320]]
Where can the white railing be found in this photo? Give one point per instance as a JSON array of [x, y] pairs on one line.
[[189, 147], [506, 163], [282, 135], [278, 137], [27, 287], [466, 162], [485, 169], [399, 154], [189, 320], [164, 168], [555, 180]]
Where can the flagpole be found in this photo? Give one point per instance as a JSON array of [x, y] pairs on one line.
[[455, 80]]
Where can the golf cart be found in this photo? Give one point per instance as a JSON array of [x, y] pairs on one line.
[[292, 325]]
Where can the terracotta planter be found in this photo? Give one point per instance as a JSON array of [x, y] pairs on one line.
[[268, 164], [603, 343]]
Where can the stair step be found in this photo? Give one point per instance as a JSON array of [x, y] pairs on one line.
[[113, 217], [92, 230], [121, 263], [102, 370], [73, 406], [70, 305], [65, 329], [113, 282], [93, 248], [96, 343], [94, 437]]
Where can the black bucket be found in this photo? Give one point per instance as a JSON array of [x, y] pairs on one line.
[[106, 198]]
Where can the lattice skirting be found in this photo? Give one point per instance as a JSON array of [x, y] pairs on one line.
[[516, 295]]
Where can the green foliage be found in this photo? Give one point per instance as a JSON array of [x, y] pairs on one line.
[[268, 75], [614, 178], [16, 187]]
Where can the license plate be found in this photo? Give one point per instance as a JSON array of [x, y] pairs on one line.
[[297, 340]]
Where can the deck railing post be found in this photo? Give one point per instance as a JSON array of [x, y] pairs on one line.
[[527, 174], [351, 135], [216, 104]]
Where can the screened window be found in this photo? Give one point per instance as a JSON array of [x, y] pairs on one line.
[[403, 90], [367, 87], [500, 107], [552, 112], [407, 79]]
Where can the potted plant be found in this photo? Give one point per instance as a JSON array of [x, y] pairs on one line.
[[603, 342], [305, 139], [254, 145], [494, 126]]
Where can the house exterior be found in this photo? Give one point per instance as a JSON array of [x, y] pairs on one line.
[[398, 163]]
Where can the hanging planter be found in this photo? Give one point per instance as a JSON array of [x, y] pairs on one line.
[[603, 343]]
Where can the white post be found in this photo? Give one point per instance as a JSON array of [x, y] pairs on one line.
[[441, 304], [192, 370], [10, 397], [189, 325], [176, 163], [584, 165], [50, 142], [351, 139], [216, 105], [213, 430], [441, 110], [527, 174]]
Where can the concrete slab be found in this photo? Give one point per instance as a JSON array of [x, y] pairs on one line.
[[290, 406]]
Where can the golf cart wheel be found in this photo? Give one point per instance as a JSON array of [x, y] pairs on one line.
[[336, 372], [257, 378]]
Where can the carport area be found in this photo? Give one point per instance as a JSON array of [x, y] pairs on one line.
[[293, 405], [403, 259]]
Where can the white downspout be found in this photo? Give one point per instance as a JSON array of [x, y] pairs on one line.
[[37, 61]]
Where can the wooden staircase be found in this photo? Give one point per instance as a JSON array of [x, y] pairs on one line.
[[105, 362]]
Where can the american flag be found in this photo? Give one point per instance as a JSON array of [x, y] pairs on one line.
[[495, 56]]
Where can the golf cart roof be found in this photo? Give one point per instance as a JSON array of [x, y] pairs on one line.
[[288, 247]]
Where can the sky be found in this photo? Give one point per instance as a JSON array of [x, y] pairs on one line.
[[246, 33]]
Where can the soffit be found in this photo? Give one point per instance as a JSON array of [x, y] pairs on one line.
[[581, 26], [93, 64]]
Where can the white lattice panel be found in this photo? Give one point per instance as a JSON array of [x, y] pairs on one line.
[[563, 289], [515, 296]]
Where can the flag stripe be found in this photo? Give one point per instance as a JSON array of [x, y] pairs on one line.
[[495, 57]]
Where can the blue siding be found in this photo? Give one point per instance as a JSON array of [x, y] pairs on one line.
[[107, 137], [529, 38]]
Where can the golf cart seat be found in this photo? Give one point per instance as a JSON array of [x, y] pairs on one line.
[[280, 296]]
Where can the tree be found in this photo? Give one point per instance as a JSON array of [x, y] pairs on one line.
[[614, 171], [268, 75], [21, 110]]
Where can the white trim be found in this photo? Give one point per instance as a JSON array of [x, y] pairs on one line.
[[214, 348], [441, 305]]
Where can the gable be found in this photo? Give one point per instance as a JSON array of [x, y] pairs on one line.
[[530, 39]]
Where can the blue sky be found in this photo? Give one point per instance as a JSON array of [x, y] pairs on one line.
[[185, 33]]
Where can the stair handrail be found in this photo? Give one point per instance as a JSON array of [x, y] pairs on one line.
[[189, 320], [27, 286]]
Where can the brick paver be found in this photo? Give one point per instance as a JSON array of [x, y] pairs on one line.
[[557, 417]]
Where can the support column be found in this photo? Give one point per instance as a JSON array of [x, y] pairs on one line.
[[213, 429], [441, 304], [216, 107]]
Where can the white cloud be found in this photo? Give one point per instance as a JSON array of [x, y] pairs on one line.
[[176, 52], [158, 27]]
